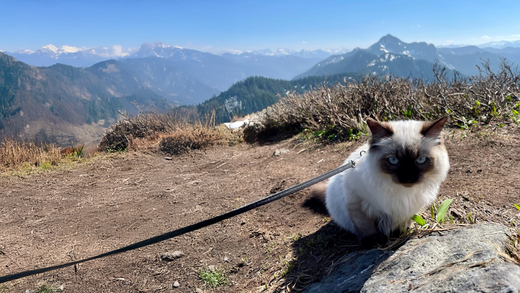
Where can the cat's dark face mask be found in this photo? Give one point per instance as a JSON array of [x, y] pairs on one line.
[[406, 166]]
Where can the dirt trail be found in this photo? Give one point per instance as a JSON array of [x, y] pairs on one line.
[[119, 199]]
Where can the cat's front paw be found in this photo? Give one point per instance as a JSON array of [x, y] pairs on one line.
[[373, 240]]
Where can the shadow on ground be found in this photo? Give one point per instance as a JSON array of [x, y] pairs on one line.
[[321, 256]]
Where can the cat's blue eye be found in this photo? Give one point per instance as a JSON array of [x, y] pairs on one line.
[[421, 160], [393, 160]]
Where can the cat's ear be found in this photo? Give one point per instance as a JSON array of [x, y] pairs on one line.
[[433, 129], [379, 130]]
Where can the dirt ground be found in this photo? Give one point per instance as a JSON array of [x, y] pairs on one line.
[[118, 199]]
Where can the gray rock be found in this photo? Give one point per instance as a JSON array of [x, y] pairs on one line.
[[280, 152], [169, 256], [461, 260], [176, 284], [351, 275]]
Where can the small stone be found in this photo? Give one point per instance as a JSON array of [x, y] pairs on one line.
[[226, 259], [280, 152], [176, 284], [168, 158], [211, 268], [169, 256], [199, 290]]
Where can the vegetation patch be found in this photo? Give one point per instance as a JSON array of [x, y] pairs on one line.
[[340, 111], [165, 132], [17, 156], [121, 135], [191, 138], [48, 288], [213, 278], [14, 154]]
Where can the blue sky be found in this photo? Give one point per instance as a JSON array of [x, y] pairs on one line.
[[245, 25]]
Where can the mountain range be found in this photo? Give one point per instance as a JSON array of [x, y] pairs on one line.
[[68, 99], [85, 57], [390, 55], [63, 104]]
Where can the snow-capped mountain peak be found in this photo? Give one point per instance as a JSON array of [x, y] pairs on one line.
[[25, 51], [49, 48]]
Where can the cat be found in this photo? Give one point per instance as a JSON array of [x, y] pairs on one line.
[[397, 173]]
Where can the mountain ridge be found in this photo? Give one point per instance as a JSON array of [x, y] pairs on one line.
[[418, 57]]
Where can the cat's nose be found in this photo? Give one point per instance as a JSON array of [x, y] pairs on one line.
[[409, 178]]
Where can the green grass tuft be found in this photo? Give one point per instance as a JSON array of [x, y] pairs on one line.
[[442, 210], [419, 220], [214, 278], [47, 289]]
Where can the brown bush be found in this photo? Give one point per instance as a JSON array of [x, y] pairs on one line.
[[120, 135], [192, 138], [14, 154], [340, 111], [164, 132]]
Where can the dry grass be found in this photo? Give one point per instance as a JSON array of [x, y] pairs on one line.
[[339, 112], [191, 138], [14, 154], [165, 132], [513, 247], [121, 135], [19, 158]]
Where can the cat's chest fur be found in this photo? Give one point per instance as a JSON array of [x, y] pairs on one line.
[[399, 174]]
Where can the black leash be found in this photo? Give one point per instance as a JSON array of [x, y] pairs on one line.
[[190, 228]]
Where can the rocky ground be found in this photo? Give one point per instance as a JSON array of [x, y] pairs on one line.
[[113, 200]]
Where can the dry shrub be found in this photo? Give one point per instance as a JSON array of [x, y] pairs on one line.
[[120, 136], [340, 111], [192, 138], [165, 132], [14, 154]]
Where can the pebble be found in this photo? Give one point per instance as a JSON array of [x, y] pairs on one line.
[[176, 284], [168, 158], [169, 256], [226, 259], [280, 152], [211, 268], [199, 290]]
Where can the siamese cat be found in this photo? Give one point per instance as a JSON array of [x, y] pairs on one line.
[[396, 175]]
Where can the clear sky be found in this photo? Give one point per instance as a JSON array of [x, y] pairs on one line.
[[218, 25]]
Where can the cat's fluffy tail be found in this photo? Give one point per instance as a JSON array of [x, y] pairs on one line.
[[316, 202]]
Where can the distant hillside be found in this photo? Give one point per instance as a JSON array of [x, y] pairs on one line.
[[254, 94], [390, 55], [66, 103], [164, 77], [210, 70], [221, 72]]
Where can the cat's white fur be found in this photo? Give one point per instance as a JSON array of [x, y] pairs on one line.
[[378, 195]]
